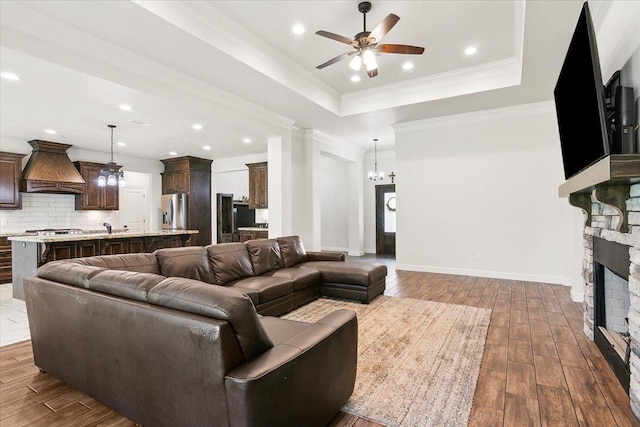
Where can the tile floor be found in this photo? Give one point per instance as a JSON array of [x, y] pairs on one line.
[[14, 325]]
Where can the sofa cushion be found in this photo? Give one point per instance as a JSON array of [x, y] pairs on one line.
[[69, 273], [191, 262], [292, 250], [265, 255], [230, 262], [141, 262], [126, 284], [302, 278], [353, 273], [216, 302], [263, 289]]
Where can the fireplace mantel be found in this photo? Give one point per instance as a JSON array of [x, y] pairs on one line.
[[611, 170], [611, 178]]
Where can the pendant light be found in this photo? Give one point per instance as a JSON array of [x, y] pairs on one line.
[[375, 175], [112, 175]]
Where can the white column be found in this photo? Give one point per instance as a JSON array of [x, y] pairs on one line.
[[279, 188], [356, 208]]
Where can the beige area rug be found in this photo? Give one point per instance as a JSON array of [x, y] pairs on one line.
[[418, 361]]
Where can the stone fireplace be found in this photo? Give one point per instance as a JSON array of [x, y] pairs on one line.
[[611, 270]]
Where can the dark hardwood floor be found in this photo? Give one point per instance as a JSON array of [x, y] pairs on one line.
[[538, 368]]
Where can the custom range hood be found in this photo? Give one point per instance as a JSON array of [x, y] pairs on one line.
[[49, 170]]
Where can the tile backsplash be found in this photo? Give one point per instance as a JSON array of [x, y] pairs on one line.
[[262, 216], [42, 210]]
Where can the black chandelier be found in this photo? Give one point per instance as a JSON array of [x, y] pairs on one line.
[[112, 175]]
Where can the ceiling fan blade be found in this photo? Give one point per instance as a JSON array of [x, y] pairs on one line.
[[384, 27], [399, 48], [336, 37], [336, 59], [372, 73]]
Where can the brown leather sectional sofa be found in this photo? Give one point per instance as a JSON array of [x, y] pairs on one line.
[[152, 336]]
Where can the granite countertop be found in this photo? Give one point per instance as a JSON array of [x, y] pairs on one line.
[[253, 229], [98, 235]]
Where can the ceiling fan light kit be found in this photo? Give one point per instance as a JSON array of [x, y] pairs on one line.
[[366, 44]]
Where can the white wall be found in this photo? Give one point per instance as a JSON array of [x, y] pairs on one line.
[[233, 182], [478, 195], [334, 197], [386, 163]]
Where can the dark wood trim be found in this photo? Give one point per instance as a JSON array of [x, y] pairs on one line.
[[613, 255]]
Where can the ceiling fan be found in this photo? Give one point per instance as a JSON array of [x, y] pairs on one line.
[[366, 43]]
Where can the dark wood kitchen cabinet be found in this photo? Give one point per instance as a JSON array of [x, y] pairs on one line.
[[95, 197], [10, 173], [5, 260], [191, 175], [258, 185]]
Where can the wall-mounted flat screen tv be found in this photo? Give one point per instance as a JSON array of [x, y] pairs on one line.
[[580, 101]]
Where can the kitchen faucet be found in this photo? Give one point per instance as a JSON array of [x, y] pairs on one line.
[[106, 224]]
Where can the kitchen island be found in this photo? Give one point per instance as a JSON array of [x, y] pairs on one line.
[[30, 252]]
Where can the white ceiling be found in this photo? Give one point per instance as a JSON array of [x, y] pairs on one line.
[[236, 68]]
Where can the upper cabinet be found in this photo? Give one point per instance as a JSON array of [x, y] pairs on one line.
[[10, 172], [258, 185], [96, 197]]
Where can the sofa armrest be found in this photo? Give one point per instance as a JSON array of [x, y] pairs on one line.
[[304, 380], [325, 256]]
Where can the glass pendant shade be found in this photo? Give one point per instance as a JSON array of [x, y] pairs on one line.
[[356, 63], [112, 175]]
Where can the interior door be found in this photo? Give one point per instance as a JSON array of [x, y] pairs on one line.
[[133, 207], [386, 219]]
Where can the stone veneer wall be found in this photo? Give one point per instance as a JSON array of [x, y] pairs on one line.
[[603, 222]]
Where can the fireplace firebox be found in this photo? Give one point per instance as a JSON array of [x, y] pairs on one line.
[[615, 346]]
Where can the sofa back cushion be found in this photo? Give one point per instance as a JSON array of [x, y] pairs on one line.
[[230, 262], [142, 262], [69, 273], [292, 250], [191, 262], [216, 302], [265, 255], [126, 284]]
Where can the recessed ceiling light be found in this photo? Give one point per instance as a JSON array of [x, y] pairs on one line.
[[172, 153], [197, 126], [297, 29], [206, 147], [9, 76], [122, 144], [470, 50], [407, 65], [355, 78], [50, 131], [246, 140], [125, 107]]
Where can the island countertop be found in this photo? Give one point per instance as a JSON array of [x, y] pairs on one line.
[[253, 229], [98, 235]]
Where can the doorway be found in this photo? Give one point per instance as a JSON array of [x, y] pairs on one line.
[[386, 219]]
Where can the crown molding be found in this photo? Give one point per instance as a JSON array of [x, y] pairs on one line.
[[495, 75], [546, 107]]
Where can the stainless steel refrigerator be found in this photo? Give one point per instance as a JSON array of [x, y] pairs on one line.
[[174, 211]]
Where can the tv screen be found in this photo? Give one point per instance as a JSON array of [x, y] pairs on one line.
[[580, 101]]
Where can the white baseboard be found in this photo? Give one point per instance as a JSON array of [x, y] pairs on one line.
[[334, 249], [355, 253], [577, 296], [483, 273]]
